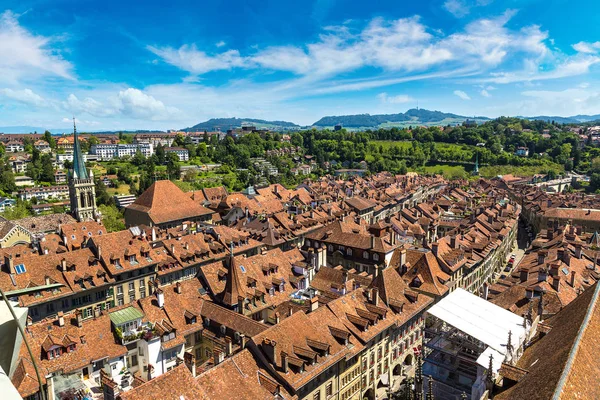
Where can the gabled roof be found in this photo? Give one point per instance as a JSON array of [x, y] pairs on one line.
[[163, 201]]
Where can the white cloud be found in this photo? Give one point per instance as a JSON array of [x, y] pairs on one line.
[[461, 8], [137, 104], [398, 99], [484, 43], [25, 96], [485, 93], [220, 43], [458, 8], [190, 59], [461, 94], [130, 102], [569, 66], [27, 56], [587, 47]]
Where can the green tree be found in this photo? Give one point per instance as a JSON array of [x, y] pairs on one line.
[[173, 169], [112, 218], [50, 140], [47, 170], [160, 153]]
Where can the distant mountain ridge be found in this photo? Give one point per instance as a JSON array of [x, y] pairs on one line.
[[575, 119], [229, 123], [417, 116]]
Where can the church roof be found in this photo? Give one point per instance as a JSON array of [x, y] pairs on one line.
[[163, 201], [78, 170]]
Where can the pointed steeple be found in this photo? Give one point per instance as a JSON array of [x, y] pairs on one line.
[[79, 171], [419, 378], [234, 287], [430, 388]]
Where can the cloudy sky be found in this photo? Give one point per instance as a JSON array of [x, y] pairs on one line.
[[147, 65]]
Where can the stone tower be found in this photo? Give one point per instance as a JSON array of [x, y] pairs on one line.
[[82, 192]]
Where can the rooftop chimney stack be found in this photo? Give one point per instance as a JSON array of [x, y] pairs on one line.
[[178, 288], [160, 298]]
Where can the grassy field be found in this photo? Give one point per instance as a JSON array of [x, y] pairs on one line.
[[122, 189], [448, 171], [408, 145], [492, 171]]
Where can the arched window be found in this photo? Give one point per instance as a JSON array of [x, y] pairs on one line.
[[366, 255], [307, 243], [375, 257], [349, 252], [330, 248], [82, 200]]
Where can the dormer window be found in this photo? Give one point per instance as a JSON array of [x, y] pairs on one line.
[[132, 259], [272, 291], [349, 252], [366, 255], [375, 257]]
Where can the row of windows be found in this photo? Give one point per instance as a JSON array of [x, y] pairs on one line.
[[349, 252]]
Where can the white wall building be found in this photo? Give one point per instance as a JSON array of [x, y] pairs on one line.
[[109, 151]]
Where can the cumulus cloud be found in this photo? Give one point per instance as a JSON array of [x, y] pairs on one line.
[[26, 55], [130, 102], [137, 104], [398, 99], [25, 96], [220, 43], [483, 43], [587, 47], [485, 93], [461, 94]]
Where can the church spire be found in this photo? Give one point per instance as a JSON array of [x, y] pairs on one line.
[[234, 287], [79, 171]]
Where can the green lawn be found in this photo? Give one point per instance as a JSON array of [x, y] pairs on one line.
[[495, 170], [408, 145], [449, 171]]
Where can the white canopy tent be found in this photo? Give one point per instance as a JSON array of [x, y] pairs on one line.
[[483, 321]]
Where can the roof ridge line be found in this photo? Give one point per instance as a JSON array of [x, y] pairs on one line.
[[574, 348]]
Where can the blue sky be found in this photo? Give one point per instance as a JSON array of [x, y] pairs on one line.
[[136, 65]]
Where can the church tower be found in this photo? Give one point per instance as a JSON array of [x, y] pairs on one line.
[[82, 192]]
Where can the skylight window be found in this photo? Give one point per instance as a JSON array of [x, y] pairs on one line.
[[20, 269], [565, 271], [243, 269]]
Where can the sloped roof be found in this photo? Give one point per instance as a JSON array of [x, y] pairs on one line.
[[163, 201]]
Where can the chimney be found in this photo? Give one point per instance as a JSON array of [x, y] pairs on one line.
[[556, 283], [228, 345], [453, 242], [79, 316], [314, 303], [61, 318], [578, 252], [550, 233], [375, 296], [160, 297], [270, 349], [542, 275], [392, 237], [178, 288], [572, 279], [99, 250], [243, 341], [96, 312], [372, 241], [153, 234], [523, 275], [344, 276], [47, 280], [172, 248], [277, 318], [63, 265], [402, 257], [541, 256], [284, 362], [434, 249]]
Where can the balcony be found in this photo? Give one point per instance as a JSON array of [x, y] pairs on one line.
[[145, 331]]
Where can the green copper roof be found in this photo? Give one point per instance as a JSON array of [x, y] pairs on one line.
[[125, 315], [79, 170]]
